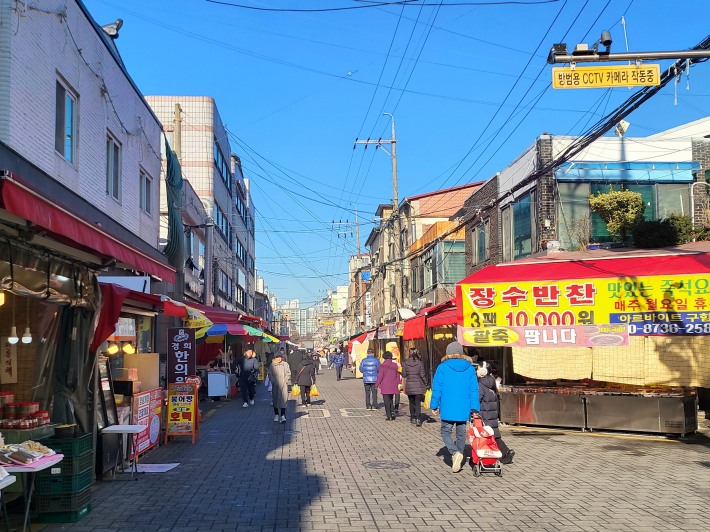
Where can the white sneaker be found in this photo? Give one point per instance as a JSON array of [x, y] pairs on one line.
[[283, 419], [245, 405], [458, 462], [251, 401], [276, 419]]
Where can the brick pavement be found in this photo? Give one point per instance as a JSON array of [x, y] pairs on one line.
[[248, 474]]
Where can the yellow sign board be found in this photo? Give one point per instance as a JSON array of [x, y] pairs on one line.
[[653, 305], [330, 322], [606, 76]]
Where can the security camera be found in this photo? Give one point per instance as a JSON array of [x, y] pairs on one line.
[[605, 39]]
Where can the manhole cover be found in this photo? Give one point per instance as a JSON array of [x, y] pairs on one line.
[[386, 465]]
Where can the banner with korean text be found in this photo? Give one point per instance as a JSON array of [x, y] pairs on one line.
[[653, 305], [182, 354], [546, 336]]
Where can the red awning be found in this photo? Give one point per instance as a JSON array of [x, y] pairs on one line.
[[436, 309], [448, 317], [218, 315], [601, 268], [23, 201], [414, 328]]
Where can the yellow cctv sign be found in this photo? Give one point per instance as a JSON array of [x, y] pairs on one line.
[[606, 76]]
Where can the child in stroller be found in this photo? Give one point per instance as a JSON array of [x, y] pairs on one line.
[[485, 455]]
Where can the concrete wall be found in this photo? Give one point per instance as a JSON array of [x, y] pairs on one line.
[[478, 200], [40, 48]]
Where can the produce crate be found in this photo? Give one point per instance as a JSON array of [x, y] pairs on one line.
[[70, 465], [64, 517], [60, 484], [70, 447], [22, 435], [66, 502]]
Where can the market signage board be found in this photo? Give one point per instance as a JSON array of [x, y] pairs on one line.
[[650, 306], [182, 354], [606, 76], [146, 412], [550, 336], [182, 413], [9, 362]]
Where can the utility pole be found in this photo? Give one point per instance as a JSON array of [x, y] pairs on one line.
[[397, 222], [177, 148], [359, 270]]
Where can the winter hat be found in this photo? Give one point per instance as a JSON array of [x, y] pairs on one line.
[[387, 355], [454, 348]]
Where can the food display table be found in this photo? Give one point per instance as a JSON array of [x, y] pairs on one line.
[[4, 483], [28, 483], [133, 430]]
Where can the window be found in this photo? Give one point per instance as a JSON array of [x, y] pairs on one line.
[[201, 255], [453, 262], [113, 168], [480, 244], [222, 222], [507, 234], [429, 273], [413, 233], [222, 167], [413, 275], [522, 229], [64, 125], [146, 193]]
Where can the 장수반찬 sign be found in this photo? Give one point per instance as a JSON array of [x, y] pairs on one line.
[[653, 305]]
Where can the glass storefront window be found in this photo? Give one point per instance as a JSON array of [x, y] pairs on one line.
[[522, 229]]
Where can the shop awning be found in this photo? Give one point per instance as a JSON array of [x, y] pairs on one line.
[[22, 200], [448, 317], [218, 315], [414, 328]]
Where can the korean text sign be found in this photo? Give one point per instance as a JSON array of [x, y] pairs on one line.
[[550, 336], [653, 305], [182, 402], [146, 412], [182, 354]]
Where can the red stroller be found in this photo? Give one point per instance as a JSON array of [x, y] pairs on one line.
[[484, 449]]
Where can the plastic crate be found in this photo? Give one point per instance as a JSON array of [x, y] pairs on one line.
[[66, 502], [70, 465], [64, 517], [60, 484], [71, 447]]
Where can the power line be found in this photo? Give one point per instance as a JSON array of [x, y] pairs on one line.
[[403, 3]]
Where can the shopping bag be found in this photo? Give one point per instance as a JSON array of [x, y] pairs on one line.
[[267, 383], [314, 391], [295, 390], [427, 399]]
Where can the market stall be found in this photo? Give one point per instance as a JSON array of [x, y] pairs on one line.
[[595, 341]]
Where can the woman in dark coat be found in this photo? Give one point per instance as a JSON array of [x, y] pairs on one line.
[[489, 409], [415, 385], [388, 381], [306, 378]]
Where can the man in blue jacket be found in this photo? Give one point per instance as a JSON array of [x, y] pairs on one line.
[[369, 366], [455, 392], [338, 360]]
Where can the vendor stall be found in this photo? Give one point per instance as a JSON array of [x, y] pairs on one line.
[[595, 341]]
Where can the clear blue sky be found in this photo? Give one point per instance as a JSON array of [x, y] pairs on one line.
[[296, 89]]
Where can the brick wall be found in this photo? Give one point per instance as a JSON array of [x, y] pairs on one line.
[[478, 200], [42, 51], [545, 196], [701, 153]]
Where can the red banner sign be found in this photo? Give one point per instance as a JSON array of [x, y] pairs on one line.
[[146, 411]]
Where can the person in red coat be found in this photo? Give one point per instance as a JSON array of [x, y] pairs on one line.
[[388, 381]]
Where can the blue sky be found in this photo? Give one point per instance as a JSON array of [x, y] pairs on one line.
[[296, 89]]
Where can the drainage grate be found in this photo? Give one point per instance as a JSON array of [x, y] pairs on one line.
[[386, 465]]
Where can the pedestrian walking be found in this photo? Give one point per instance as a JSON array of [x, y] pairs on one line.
[[455, 393], [369, 366], [415, 385], [316, 362], [388, 380], [338, 361], [294, 361], [306, 378], [279, 375], [248, 375], [488, 395]]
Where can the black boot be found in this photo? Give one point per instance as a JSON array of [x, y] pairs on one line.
[[508, 458], [418, 423]]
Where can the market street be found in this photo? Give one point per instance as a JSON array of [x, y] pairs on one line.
[[336, 467]]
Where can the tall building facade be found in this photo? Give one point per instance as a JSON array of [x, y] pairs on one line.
[[216, 177]]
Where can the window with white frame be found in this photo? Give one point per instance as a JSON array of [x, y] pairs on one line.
[[146, 193], [113, 167], [65, 122]]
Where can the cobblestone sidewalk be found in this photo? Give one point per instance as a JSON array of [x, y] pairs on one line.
[[340, 468]]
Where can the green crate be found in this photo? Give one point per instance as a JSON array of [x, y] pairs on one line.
[[71, 447], [66, 502], [70, 465], [59, 484], [64, 517]]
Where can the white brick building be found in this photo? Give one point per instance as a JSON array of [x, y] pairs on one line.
[[68, 105]]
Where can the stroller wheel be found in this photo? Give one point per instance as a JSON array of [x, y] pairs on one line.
[[477, 470]]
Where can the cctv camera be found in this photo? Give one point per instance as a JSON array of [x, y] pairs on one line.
[[605, 39]]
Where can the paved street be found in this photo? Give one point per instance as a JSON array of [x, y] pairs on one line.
[[337, 468]]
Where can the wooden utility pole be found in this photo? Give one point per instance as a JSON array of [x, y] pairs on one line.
[[177, 148]]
